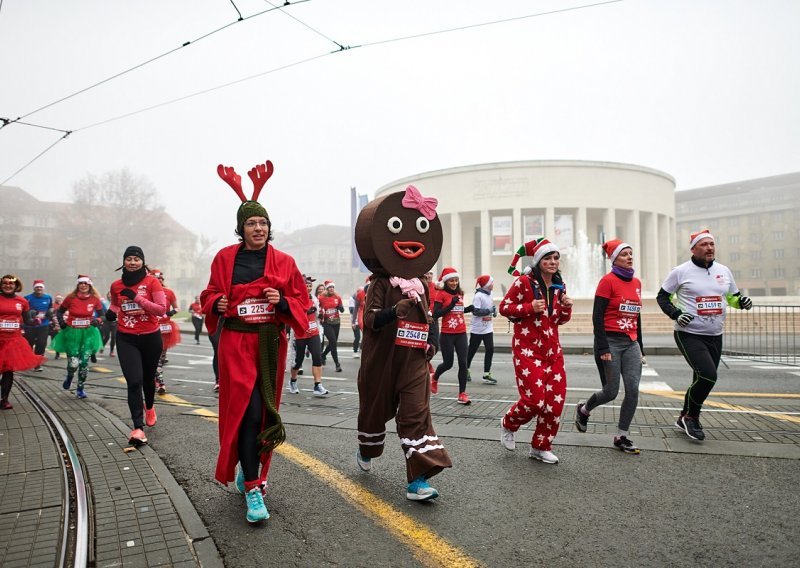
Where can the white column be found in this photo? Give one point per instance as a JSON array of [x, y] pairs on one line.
[[486, 242], [549, 223], [610, 224], [516, 229], [637, 241], [580, 223], [651, 232], [455, 241]]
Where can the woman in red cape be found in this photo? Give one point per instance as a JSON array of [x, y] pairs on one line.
[[258, 291]]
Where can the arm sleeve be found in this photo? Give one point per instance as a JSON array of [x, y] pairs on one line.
[[478, 311], [639, 333], [60, 316], [666, 305], [598, 324], [156, 307]]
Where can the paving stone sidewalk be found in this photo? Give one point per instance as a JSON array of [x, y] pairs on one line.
[[140, 515]]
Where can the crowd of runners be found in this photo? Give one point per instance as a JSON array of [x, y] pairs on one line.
[[265, 318]]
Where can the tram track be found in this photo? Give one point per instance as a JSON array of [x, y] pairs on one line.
[[77, 527]]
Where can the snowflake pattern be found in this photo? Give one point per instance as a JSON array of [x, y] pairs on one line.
[[625, 324]]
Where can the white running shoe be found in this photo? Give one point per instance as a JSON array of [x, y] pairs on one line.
[[356, 355], [543, 455], [319, 390], [507, 438], [293, 387], [365, 464]]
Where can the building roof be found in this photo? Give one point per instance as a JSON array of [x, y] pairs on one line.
[[790, 182]]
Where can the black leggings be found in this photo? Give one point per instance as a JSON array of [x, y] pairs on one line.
[[249, 430], [356, 338], [702, 352], [5, 384], [109, 333], [198, 327], [449, 342], [332, 335], [488, 343], [138, 357], [37, 338], [314, 346]]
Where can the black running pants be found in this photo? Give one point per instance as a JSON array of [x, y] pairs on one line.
[[448, 344], [332, 335], [488, 344], [138, 357], [702, 352], [249, 430]]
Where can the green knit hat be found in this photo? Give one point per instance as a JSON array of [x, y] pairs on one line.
[[249, 209]]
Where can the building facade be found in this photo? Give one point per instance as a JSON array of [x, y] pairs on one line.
[[489, 210], [756, 224]]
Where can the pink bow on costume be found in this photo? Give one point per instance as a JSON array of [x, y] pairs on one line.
[[413, 199], [412, 288]]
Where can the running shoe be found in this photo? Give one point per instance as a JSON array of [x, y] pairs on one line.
[[338, 368], [112, 354], [581, 419], [5, 405], [434, 386], [356, 355], [80, 393], [161, 388], [67, 382], [489, 379], [137, 437], [319, 390], [293, 387], [150, 417], [507, 438], [419, 490], [691, 426], [216, 387], [624, 444], [58, 356], [365, 464], [38, 369], [93, 358], [239, 483], [545, 456], [256, 509], [463, 399]]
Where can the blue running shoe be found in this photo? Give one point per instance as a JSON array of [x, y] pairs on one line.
[[256, 510], [80, 393], [67, 382], [239, 483], [419, 490]]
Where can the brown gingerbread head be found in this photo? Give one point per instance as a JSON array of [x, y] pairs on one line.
[[399, 234]]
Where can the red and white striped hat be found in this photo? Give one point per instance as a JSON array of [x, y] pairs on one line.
[[83, 278], [330, 284], [38, 284], [483, 281], [537, 248], [448, 272], [695, 238]]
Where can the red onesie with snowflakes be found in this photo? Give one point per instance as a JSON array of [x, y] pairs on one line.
[[538, 359]]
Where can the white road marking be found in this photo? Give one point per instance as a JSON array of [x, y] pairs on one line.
[[655, 386], [649, 372]]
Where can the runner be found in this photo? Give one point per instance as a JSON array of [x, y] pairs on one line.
[[197, 318], [79, 337], [109, 329], [618, 349], [481, 328], [170, 332], [137, 304], [537, 303], [309, 340], [15, 353], [694, 294], [54, 329], [330, 306], [449, 305], [399, 237], [37, 334], [258, 290]]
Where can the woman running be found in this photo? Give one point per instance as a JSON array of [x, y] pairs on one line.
[[537, 304], [330, 306], [618, 350], [197, 318], [309, 340], [449, 306], [170, 332], [15, 353], [137, 304], [481, 328], [79, 319]]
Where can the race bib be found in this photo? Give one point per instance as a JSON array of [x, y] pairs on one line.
[[630, 309], [256, 310], [312, 326], [131, 308], [166, 328], [8, 326], [410, 334], [81, 323], [458, 309], [709, 305]]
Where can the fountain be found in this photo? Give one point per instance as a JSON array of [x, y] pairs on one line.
[[582, 266]]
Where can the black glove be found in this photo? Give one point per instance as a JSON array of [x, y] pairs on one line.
[[96, 322], [311, 310], [172, 313], [494, 311], [684, 319], [454, 301], [111, 316], [128, 293], [745, 303]]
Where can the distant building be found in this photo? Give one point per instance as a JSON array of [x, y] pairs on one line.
[[51, 241], [757, 227]]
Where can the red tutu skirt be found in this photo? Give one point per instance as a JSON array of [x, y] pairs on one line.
[[171, 338], [17, 355]]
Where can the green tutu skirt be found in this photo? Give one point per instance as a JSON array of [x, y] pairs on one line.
[[73, 341]]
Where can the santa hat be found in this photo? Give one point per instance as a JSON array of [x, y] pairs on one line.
[[483, 281], [447, 273], [84, 279], [38, 284], [614, 247], [695, 238], [157, 273], [330, 284], [536, 248]]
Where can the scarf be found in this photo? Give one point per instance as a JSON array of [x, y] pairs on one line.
[[412, 288], [131, 278], [626, 273]]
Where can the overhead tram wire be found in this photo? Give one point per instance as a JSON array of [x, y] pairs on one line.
[[39, 155], [7, 121], [165, 54], [316, 31]]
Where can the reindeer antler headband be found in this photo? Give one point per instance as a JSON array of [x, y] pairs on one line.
[[259, 176]]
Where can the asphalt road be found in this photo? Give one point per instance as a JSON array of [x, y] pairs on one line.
[[678, 502]]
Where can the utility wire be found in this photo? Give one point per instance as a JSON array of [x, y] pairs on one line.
[[237, 10], [319, 33], [165, 54], [39, 155], [7, 121]]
